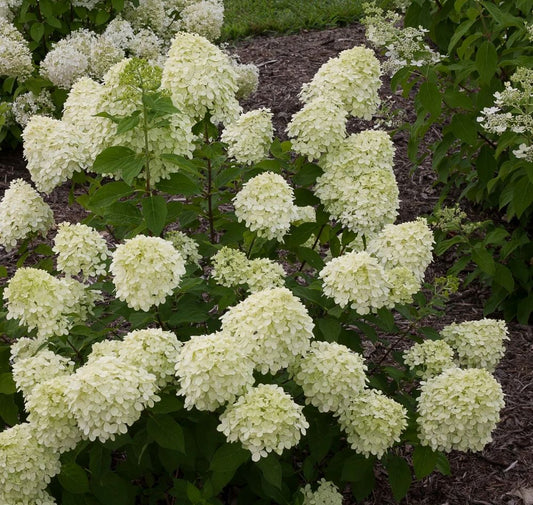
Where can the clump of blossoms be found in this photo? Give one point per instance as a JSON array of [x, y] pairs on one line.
[[204, 18], [250, 136], [247, 77], [22, 212], [26, 466], [459, 409], [478, 344], [327, 493], [331, 375], [29, 104], [272, 325], [47, 303], [266, 205], [373, 423], [263, 273], [107, 395], [15, 54], [145, 271], [213, 370], [186, 246], [81, 250], [429, 358], [264, 420]]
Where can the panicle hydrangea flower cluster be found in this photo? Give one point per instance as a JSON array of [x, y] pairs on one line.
[[213, 370], [272, 325], [331, 375], [266, 205], [373, 423], [51, 148], [429, 358], [29, 104], [231, 268], [15, 54], [26, 466], [186, 246], [327, 493], [358, 186], [204, 18], [145, 271], [250, 136], [264, 420], [478, 344], [22, 212], [201, 79], [459, 409], [247, 77], [81, 250], [49, 304], [8, 8], [108, 394]]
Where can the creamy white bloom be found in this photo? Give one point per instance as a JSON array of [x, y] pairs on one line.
[[403, 284], [265, 419], [120, 32], [22, 212], [459, 409], [229, 266], [272, 325], [373, 423], [250, 136], [266, 205], [15, 55], [429, 358], [247, 78], [263, 273], [145, 271], [187, 246], [478, 344], [331, 375], [29, 104], [147, 45], [204, 18], [213, 370], [148, 13], [103, 54], [327, 493]]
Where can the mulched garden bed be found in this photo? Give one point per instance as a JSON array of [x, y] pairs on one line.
[[502, 474]]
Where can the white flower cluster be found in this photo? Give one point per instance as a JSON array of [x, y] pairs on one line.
[[331, 375], [459, 409], [358, 186], [8, 8], [29, 104], [327, 493], [201, 79], [47, 303], [213, 370], [15, 55], [247, 77], [26, 467], [429, 358], [478, 344], [204, 18], [22, 212], [145, 271], [186, 246], [373, 423], [273, 326], [250, 136], [231, 268], [265, 419], [81, 250], [266, 205]]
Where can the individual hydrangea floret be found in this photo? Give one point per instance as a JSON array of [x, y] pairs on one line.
[[51, 148], [146, 270], [107, 395], [187, 246], [358, 279], [429, 358], [266, 205], [204, 18], [263, 273], [459, 409], [478, 344], [264, 420], [213, 370], [29, 104], [22, 212], [373, 423], [81, 250], [273, 325], [249, 137], [327, 493], [330, 375], [229, 267], [26, 466]]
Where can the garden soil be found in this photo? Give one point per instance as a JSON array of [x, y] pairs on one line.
[[502, 474]]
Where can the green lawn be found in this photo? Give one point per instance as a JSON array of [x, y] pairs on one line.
[[251, 17]]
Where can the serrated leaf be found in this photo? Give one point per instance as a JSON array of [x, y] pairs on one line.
[[108, 194], [119, 160], [430, 98], [486, 61], [483, 259], [128, 123], [73, 478], [154, 210], [37, 31], [7, 384], [399, 475], [424, 461], [271, 469], [166, 432]]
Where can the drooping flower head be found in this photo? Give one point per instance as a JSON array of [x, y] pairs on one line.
[[264, 420]]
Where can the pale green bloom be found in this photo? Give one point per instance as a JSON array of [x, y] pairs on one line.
[[327, 493], [429, 358]]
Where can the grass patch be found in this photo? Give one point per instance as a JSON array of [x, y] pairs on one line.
[[245, 18]]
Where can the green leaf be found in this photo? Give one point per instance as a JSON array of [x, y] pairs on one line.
[[271, 469], [307, 175], [443, 465], [179, 184], [37, 31], [118, 5], [73, 478], [111, 489], [464, 127], [504, 277], [8, 409], [359, 471], [424, 461], [330, 328], [154, 209], [430, 98], [119, 160], [128, 123], [166, 432], [7, 384], [101, 17], [123, 214], [299, 234], [224, 464], [108, 194], [486, 61], [311, 257], [461, 30], [483, 259], [399, 475]]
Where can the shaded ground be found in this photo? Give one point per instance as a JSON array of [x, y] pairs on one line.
[[506, 465]]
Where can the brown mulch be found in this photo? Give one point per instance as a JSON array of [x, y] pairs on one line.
[[497, 474]]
